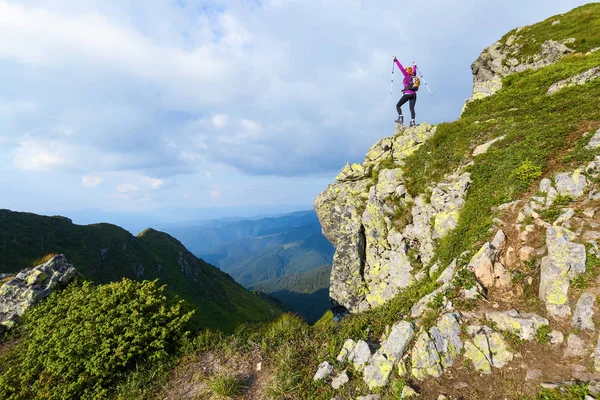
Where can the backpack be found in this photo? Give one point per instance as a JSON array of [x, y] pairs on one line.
[[413, 84]]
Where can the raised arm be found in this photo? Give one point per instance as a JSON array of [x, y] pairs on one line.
[[415, 68], [400, 66]]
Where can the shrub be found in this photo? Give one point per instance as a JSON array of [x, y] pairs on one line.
[[83, 341], [543, 334], [527, 172]]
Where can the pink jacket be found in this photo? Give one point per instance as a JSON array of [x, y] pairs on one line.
[[407, 77]]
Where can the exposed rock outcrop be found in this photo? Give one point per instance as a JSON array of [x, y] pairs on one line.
[[31, 285]]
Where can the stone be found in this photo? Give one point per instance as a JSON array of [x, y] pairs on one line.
[[589, 236], [502, 277], [380, 366], [584, 312], [259, 366], [589, 212], [556, 22], [579, 79], [370, 397], [361, 355], [347, 350], [556, 337], [524, 325], [482, 263], [565, 261], [572, 184], [484, 147], [526, 253], [352, 172], [477, 357], [500, 356], [377, 373], [533, 374], [398, 340], [30, 286], [596, 357], [425, 358], [325, 369], [340, 380], [575, 347], [566, 216], [408, 393]]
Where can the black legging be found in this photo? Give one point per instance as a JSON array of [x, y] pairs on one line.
[[412, 99]]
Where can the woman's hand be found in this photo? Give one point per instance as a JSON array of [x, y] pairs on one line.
[[394, 58]]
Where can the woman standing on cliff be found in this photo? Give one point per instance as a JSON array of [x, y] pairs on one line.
[[410, 92]]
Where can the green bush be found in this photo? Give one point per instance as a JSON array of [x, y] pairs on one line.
[[527, 172], [84, 341]]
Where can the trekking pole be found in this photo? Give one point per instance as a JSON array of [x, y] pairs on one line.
[[424, 81], [392, 84]]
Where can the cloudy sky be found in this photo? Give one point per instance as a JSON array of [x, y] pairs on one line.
[[129, 105]]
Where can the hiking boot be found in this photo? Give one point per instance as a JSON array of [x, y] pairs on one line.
[[412, 122], [400, 119]]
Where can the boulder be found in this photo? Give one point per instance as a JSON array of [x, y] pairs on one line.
[[484, 147], [594, 142], [584, 312], [482, 263], [579, 79], [565, 261], [524, 325], [340, 380], [347, 351], [575, 347], [408, 393], [361, 355], [572, 184], [30, 286], [353, 172], [325, 370], [487, 349]]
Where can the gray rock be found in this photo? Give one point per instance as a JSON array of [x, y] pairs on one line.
[[523, 325], [353, 172], [579, 79], [565, 261], [377, 373], [572, 184], [446, 338], [340, 380], [30, 286], [425, 358], [398, 340], [533, 374], [361, 355], [567, 215], [484, 147], [347, 351], [486, 349], [370, 397], [408, 393], [584, 312], [325, 369], [556, 337], [575, 347]]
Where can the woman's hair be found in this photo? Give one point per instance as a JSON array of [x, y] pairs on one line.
[[409, 70]]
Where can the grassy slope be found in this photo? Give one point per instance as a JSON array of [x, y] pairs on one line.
[[306, 293], [106, 253], [546, 130]]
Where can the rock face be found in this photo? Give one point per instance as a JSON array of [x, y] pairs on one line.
[[384, 238], [30, 286], [500, 60]]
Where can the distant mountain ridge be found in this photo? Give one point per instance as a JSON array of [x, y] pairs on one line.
[[106, 253], [254, 251]]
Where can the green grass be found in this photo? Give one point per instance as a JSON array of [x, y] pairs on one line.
[[543, 334], [224, 387], [578, 24], [575, 392]]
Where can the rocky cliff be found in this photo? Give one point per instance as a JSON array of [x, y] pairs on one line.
[[491, 219]]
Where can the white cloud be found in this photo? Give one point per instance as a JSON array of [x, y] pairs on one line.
[[220, 120], [215, 194], [154, 183], [37, 156], [250, 125], [127, 188], [91, 181]]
